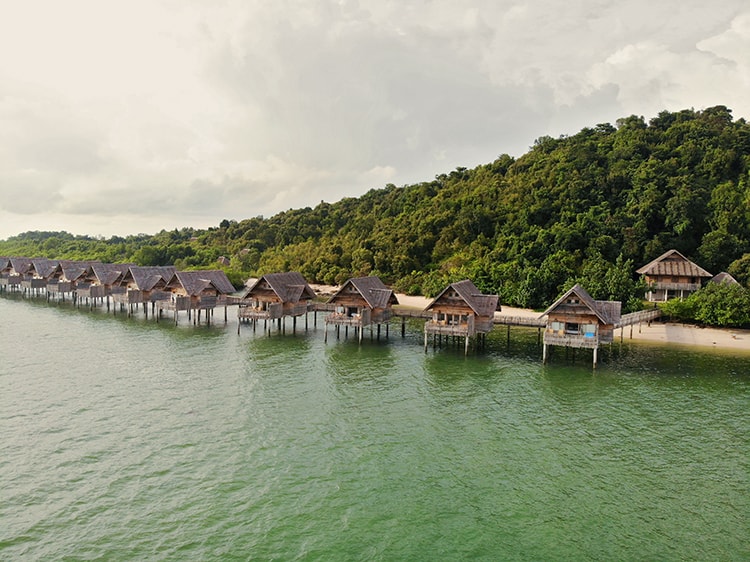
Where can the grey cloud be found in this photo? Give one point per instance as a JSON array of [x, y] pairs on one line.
[[270, 106]]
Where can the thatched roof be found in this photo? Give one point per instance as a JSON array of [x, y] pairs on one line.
[[372, 289], [73, 270], [289, 286], [724, 278], [42, 267], [146, 278], [20, 266], [4, 263], [109, 273], [608, 312], [673, 264], [195, 282], [481, 304]]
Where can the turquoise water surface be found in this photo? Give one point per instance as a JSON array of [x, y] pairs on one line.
[[124, 439]]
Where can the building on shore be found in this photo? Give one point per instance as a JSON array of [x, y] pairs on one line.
[[672, 275], [724, 278], [461, 310], [577, 320]]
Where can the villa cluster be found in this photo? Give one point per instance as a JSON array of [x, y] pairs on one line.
[[461, 310]]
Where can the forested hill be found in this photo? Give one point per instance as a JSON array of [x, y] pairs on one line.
[[591, 207]]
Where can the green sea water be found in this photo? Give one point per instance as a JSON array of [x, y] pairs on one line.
[[124, 439]]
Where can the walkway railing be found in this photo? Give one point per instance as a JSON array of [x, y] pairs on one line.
[[638, 317]]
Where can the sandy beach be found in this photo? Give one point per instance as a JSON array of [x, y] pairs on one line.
[[663, 332]]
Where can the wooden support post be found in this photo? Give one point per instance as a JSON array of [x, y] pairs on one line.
[[403, 326], [325, 337], [425, 341], [378, 332], [596, 349], [466, 346]]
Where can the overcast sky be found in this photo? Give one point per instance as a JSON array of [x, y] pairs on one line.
[[127, 117]]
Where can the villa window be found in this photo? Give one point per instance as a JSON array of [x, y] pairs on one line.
[[572, 328]]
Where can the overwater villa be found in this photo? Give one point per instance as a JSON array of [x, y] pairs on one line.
[[36, 275], [672, 275], [143, 284], [65, 278], [275, 296], [99, 279], [10, 279], [461, 310], [198, 291], [576, 320], [360, 302]]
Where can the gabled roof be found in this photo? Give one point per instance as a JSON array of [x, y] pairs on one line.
[[481, 304], [145, 278], [20, 266], [607, 311], [724, 278], [372, 289], [74, 270], [4, 263], [289, 286], [673, 263], [109, 273], [195, 282], [42, 267]]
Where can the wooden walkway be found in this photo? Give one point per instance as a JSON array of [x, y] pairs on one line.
[[638, 317]]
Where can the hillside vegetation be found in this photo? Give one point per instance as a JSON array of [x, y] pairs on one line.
[[591, 207]]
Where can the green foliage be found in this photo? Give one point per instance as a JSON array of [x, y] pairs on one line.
[[590, 208], [723, 305]]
